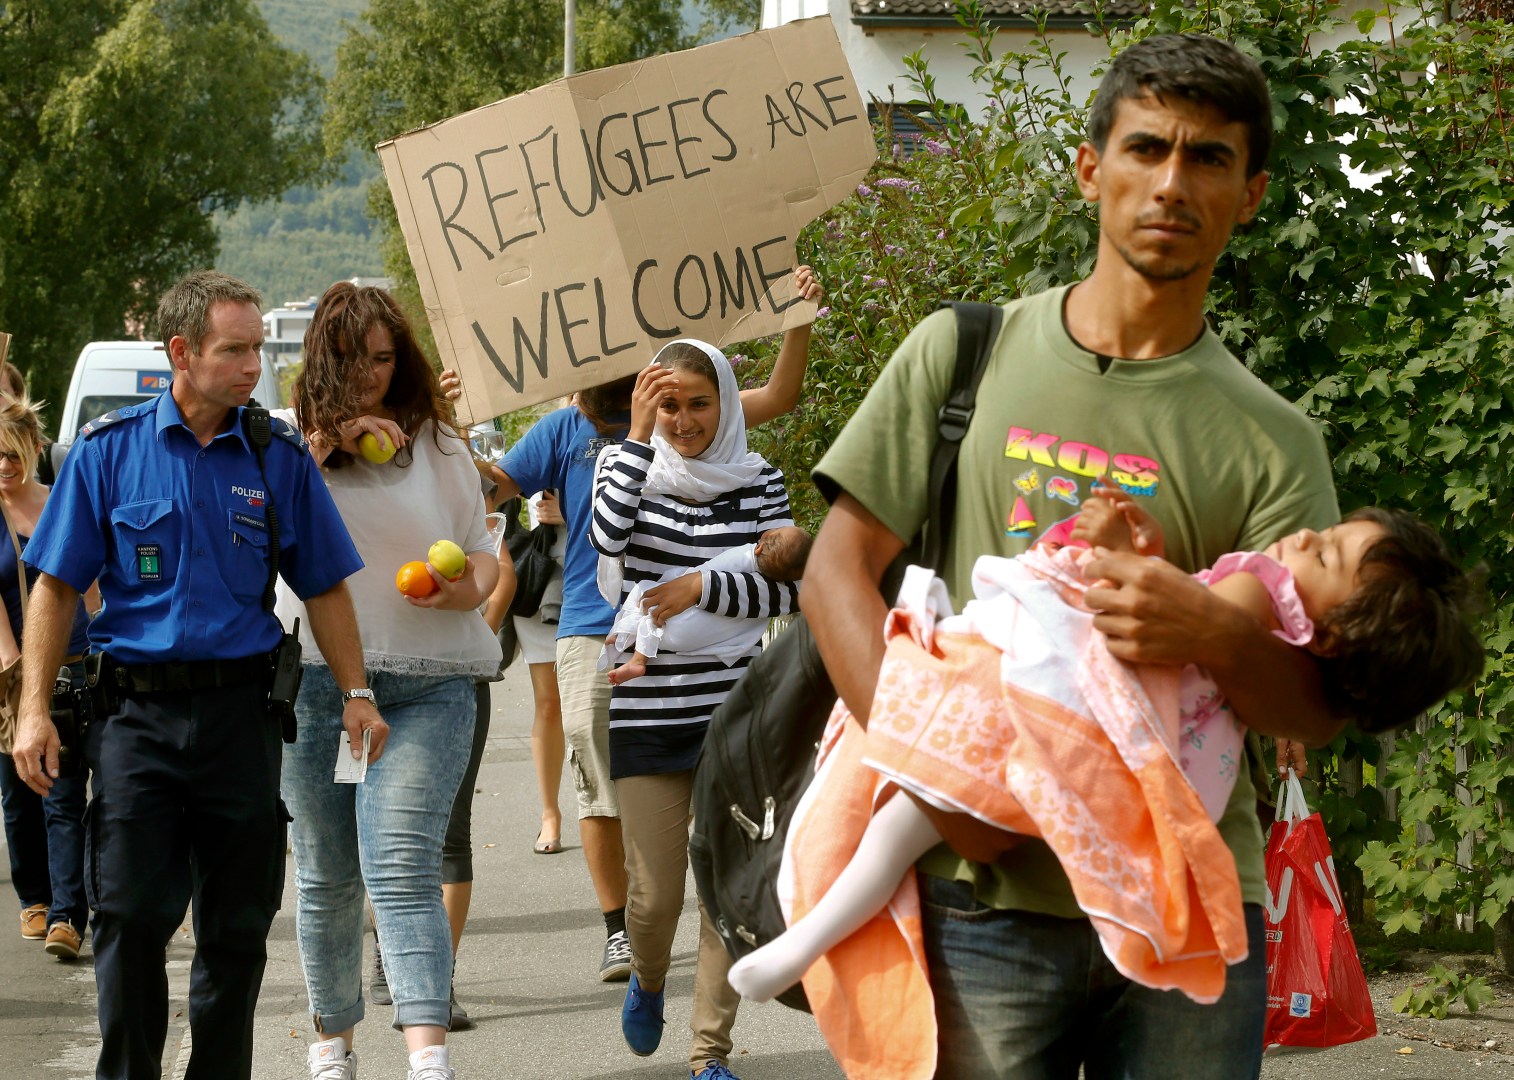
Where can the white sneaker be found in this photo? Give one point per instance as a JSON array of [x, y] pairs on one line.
[[331, 1060], [430, 1063]]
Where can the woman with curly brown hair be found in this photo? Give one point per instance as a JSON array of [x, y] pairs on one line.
[[364, 375]]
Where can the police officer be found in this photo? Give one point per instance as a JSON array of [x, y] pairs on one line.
[[166, 504]]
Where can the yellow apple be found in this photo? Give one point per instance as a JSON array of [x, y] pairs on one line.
[[448, 558], [376, 448]]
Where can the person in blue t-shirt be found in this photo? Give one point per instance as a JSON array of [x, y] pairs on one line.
[[170, 506], [558, 453]]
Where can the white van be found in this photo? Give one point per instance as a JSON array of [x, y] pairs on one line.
[[113, 374]]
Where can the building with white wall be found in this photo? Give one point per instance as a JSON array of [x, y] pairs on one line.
[[877, 34]]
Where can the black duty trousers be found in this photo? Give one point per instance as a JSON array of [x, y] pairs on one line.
[[186, 805]]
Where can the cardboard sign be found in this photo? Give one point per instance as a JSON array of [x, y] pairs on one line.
[[562, 236]]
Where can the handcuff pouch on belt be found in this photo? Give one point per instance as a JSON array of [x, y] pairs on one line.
[[69, 711], [101, 691]]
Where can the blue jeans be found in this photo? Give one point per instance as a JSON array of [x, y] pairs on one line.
[[45, 838], [1023, 996], [385, 834]]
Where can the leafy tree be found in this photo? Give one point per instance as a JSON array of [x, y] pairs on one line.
[[123, 125], [297, 245], [277, 245], [723, 17]]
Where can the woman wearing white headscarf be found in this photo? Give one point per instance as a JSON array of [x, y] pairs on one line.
[[681, 488]]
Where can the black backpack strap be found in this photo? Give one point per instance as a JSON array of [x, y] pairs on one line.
[[977, 329], [258, 427]]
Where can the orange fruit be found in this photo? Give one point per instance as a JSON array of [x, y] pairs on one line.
[[414, 579]]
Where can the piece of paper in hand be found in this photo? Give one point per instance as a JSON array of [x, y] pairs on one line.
[[351, 770]]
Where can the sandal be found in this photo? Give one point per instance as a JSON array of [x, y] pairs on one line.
[[546, 847]]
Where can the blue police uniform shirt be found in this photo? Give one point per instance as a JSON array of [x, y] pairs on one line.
[[559, 452], [177, 535]]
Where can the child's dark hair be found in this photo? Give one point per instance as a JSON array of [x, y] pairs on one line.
[[784, 552], [1404, 639]]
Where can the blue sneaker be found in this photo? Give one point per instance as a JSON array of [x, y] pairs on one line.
[[641, 1018], [713, 1070]]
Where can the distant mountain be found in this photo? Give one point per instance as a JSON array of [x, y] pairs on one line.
[[312, 26], [295, 247]]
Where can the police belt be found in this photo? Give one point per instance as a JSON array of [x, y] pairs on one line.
[[190, 675]]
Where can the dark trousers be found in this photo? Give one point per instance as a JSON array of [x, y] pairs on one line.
[[457, 846], [45, 838], [186, 805], [1023, 996]]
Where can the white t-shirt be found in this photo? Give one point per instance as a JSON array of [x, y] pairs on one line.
[[395, 514]]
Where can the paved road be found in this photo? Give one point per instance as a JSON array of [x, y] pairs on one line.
[[526, 972]]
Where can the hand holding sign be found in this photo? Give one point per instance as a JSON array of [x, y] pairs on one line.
[[562, 236], [806, 285]]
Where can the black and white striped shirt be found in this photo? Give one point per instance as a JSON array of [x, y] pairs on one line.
[[657, 722]]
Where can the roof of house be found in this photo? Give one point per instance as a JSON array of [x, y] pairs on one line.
[[944, 11]]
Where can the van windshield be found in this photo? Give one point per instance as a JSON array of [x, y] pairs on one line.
[[98, 405]]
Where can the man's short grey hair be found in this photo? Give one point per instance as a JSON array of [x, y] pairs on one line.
[[184, 310]]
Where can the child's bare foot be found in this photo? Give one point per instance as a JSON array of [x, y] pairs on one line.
[[633, 668]]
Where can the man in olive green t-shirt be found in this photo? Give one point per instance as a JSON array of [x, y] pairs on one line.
[[1116, 376]]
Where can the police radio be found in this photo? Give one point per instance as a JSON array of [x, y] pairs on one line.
[[258, 426], [286, 683]]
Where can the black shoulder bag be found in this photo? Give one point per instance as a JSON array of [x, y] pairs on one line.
[[531, 551], [759, 752]]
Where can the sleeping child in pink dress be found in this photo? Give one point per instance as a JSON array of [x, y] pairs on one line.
[[1013, 719]]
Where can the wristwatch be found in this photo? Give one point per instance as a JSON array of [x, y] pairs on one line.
[[361, 692]]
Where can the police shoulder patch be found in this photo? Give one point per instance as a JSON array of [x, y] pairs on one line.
[[100, 423], [285, 430]]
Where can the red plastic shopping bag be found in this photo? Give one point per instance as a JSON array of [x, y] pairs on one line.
[[1316, 992]]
